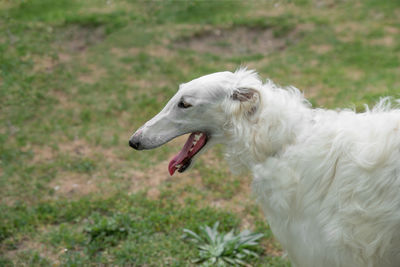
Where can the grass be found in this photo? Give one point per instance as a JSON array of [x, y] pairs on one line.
[[78, 77]]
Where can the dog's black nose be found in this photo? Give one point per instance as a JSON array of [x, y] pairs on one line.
[[134, 145]]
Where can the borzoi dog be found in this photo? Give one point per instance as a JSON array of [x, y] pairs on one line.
[[328, 181]]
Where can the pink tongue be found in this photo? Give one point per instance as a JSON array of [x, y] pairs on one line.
[[185, 153]]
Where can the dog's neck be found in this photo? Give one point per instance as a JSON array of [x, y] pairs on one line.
[[275, 125]]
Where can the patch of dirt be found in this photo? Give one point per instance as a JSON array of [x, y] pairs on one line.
[[105, 7], [317, 91], [64, 101], [71, 41], [70, 183], [120, 52], [144, 85], [43, 63], [152, 50], [345, 32], [238, 40], [275, 10], [42, 154], [354, 74], [312, 92], [159, 51], [94, 75], [387, 41], [81, 148], [392, 30], [78, 147], [63, 57], [150, 179], [46, 63], [78, 38], [305, 27], [32, 245], [321, 49]]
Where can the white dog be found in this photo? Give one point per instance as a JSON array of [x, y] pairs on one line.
[[328, 181]]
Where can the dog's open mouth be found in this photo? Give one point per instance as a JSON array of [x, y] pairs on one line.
[[193, 145]]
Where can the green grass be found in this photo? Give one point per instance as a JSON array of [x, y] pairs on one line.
[[78, 77]]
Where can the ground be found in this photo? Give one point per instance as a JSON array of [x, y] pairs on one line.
[[77, 78]]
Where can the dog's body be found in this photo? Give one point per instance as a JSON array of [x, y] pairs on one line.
[[327, 181]]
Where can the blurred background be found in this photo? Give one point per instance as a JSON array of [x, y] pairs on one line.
[[78, 77]]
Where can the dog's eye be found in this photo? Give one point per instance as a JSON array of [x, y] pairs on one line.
[[183, 104]]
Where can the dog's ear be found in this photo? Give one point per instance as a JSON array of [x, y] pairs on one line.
[[249, 99], [244, 94]]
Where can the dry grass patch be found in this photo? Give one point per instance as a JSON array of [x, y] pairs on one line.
[[346, 32], [391, 30], [28, 246], [320, 92], [354, 74], [276, 9], [79, 147], [160, 51], [42, 154], [387, 41], [321, 49], [234, 41], [105, 7], [47, 63], [63, 98], [78, 38], [94, 75], [43, 63], [144, 85], [150, 179], [71, 184], [152, 50], [154, 178]]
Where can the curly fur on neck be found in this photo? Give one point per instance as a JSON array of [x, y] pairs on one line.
[[269, 128]]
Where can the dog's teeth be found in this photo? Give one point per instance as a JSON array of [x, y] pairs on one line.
[[191, 149], [178, 166], [197, 136]]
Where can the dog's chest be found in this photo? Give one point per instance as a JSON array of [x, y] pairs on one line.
[[295, 217]]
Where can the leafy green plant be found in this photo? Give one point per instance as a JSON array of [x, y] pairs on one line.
[[223, 249], [106, 231]]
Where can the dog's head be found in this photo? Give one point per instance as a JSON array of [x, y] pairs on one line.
[[205, 107]]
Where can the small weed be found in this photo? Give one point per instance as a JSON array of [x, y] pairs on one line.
[[108, 229], [219, 249], [104, 232]]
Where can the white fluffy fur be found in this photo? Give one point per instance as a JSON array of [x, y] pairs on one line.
[[328, 181]]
